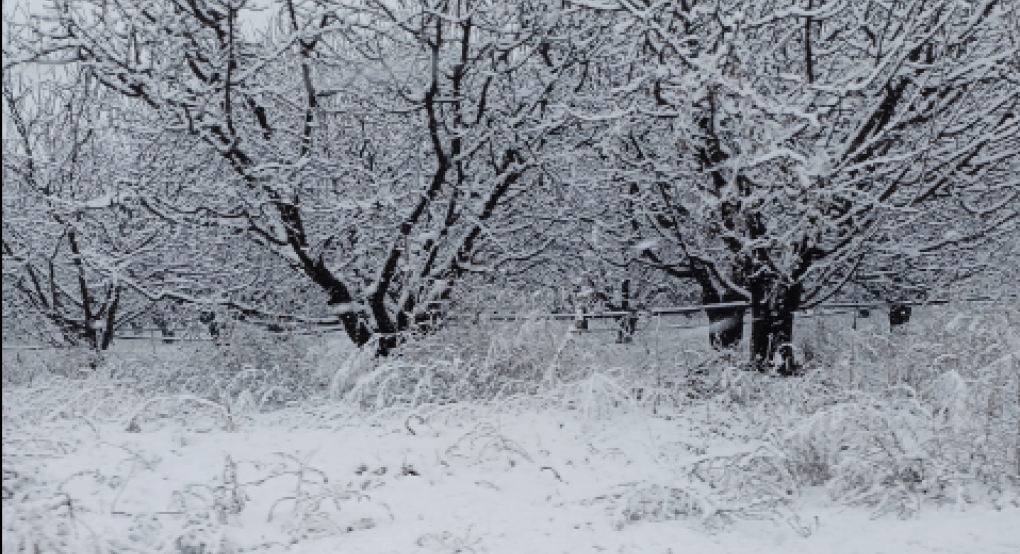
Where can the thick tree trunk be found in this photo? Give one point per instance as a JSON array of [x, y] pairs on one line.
[[772, 308]]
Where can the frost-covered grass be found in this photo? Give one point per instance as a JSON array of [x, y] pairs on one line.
[[524, 438]]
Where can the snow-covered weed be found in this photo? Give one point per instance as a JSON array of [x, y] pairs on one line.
[[449, 543], [486, 443], [479, 363], [491, 361], [928, 418], [934, 419], [39, 522], [896, 423]]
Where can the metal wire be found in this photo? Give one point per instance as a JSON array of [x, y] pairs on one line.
[[841, 308]]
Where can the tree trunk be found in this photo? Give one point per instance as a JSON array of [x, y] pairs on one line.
[[111, 320], [387, 344], [899, 314], [772, 309], [627, 323], [725, 325], [166, 330]]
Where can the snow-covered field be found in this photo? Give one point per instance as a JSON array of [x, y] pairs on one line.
[[504, 481], [588, 464]]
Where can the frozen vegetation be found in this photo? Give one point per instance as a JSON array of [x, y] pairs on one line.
[[511, 276], [898, 444]]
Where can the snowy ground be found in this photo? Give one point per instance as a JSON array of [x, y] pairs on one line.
[[901, 444], [494, 480]]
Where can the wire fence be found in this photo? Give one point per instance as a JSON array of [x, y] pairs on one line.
[[629, 322]]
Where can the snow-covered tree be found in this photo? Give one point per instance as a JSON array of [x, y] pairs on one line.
[[375, 147], [68, 244], [775, 146]]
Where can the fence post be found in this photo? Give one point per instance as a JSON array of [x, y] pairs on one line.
[[580, 321]]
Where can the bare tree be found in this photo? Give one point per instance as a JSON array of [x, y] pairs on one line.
[[375, 147], [66, 240], [775, 146]]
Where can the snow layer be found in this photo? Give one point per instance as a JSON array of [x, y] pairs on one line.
[[453, 480]]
